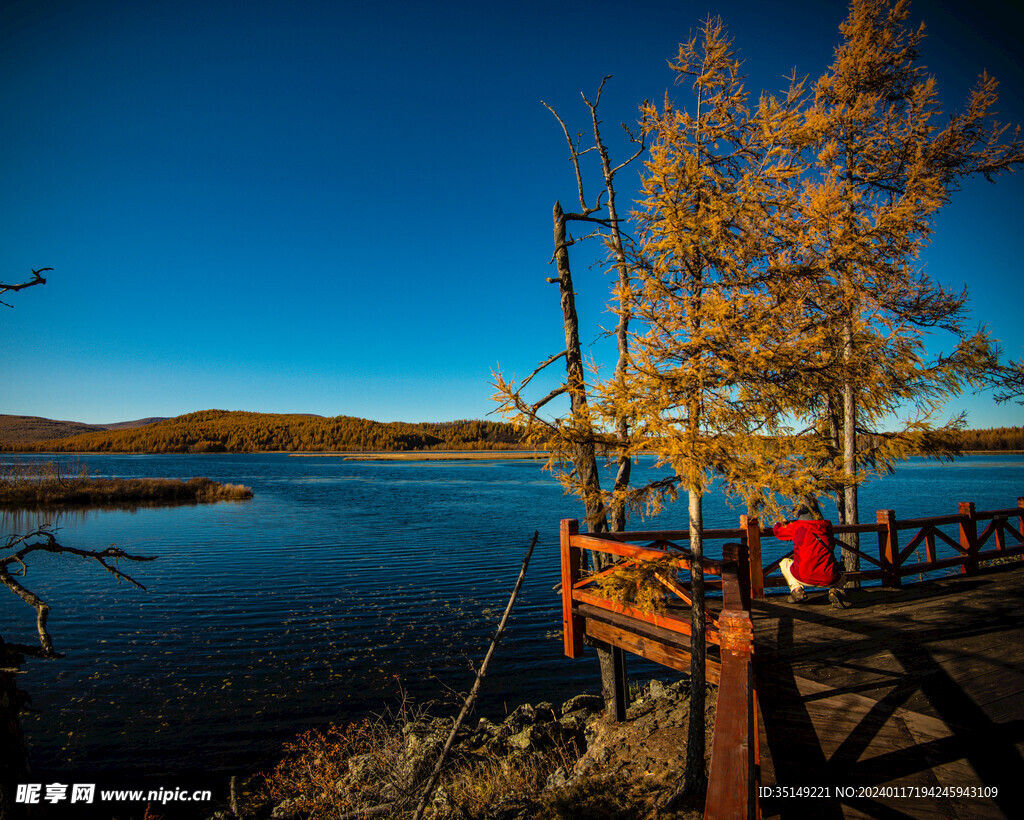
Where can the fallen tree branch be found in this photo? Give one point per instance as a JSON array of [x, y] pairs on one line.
[[43, 540], [471, 699]]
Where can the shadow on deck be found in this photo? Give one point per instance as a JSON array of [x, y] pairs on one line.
[[911, 702]]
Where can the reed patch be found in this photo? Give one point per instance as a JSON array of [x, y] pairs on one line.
[[52, 484]]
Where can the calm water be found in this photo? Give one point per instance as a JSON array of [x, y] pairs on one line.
[[309, 603]]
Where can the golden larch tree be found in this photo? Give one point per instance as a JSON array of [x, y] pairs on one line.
[[882, 166], [708, 349]]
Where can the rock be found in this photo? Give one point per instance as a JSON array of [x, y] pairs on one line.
[[546, 712], [520, 718], [559, 777], [524, 739], [574, 727], [444, 806], [360, 766], [587, 703]]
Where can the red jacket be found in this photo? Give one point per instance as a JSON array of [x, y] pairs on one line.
[[813, 561]]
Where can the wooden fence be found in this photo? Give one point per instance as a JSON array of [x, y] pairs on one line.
[[665, 638], [893, 563], [741, 576]]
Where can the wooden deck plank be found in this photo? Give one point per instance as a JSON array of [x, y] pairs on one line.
[[922, 686]]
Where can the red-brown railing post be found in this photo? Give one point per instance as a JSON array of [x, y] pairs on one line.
[[733, 780], [572, 625], [889, 548], [1020, 518], [969, 536], [753, 528]]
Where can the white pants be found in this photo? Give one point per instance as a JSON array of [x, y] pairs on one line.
[[786, 565]]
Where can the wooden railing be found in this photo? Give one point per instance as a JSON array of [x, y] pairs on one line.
[[1003, 534], [892, 562], [666, 639]]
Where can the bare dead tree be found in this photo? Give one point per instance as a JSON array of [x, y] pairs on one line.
[[576, 440], [15, 557]]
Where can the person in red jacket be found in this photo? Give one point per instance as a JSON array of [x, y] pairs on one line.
[[813, 563]]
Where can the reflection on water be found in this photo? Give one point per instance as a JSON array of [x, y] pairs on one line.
[[304, 604], [26, 520]]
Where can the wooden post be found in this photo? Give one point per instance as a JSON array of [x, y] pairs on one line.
[[734, 778], [572, 625], [889, 548], [621, 683], [969, 537], [1020, 518], [753, 528], [742, 558]]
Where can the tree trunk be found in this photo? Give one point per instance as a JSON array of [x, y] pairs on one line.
[[584, 456], [695, 776], [584, 452], [618, 505], [851, 561]]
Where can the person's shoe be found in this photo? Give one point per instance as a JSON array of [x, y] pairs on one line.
[[838, 599], [796, 595]]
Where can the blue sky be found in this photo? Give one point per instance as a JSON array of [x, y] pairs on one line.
[[344, 208]]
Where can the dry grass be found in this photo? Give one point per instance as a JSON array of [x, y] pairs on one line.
[[52, 484], [378, 767], [476, 787], [612, 797]]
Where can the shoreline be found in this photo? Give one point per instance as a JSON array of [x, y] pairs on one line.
[[393, 455], [428, 455]]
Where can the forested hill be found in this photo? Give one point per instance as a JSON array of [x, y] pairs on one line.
[[30, 429], [994, 439], [221, 431]]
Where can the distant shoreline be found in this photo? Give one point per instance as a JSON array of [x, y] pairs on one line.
[[400, 455], [419, 455]]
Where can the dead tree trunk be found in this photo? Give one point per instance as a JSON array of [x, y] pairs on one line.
[[584, 449]]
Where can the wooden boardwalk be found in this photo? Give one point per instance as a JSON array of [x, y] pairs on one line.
[[920, 687]]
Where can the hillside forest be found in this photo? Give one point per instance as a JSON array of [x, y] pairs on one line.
[[221, 431]]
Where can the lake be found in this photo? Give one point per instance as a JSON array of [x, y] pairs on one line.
[[313, 602]]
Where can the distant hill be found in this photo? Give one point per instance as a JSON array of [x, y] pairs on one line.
[[30, 429], [129, 425], [223, 431]]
